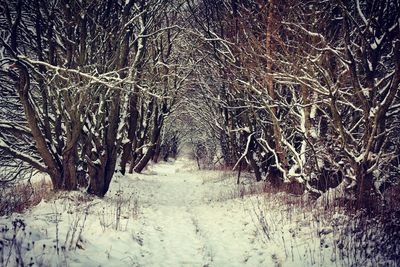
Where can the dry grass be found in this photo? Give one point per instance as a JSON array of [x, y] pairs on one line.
[[351, 237], [329, 229], [119, 208], [231, 190], [20, 197]]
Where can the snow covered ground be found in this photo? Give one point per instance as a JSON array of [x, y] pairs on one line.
[[172, 215]]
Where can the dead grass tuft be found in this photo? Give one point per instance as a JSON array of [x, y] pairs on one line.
[[22, 196], [349, 236]]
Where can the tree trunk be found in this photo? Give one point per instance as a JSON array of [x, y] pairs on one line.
[[255, 167], [132, 125], [366, 195], [158, 123], [277, 134], [157, 151], [69, 168], [145, 159], [96, 181], [40, 142], [150, 152]]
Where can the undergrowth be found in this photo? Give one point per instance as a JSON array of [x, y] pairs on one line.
[[22, 196], [319, 235], [330, 231]]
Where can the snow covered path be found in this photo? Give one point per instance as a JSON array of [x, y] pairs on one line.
[[184, 224]]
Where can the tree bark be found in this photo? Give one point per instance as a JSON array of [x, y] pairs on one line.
[[40, 142], [158, 123], [132, 125], [269, 46]]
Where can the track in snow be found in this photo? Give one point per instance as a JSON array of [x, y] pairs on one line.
[[182, 225]]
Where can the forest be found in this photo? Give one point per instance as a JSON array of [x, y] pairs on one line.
[[297, 97]]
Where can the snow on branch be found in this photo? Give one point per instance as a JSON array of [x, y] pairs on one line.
[[22, 156], [246, 150], [105, 79]]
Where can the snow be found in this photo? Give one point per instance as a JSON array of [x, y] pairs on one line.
[[186, 225], [171, 215], [370, 67]]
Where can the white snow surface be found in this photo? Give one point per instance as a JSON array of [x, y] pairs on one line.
[[172, 215]]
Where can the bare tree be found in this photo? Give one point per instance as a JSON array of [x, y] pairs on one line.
[[75, 71]]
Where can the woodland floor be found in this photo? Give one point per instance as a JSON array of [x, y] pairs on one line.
[[185, 220], [173, 215]]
